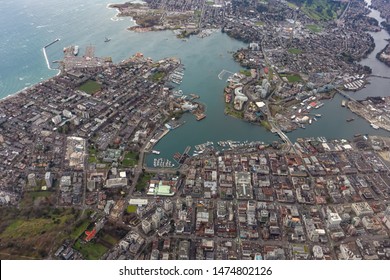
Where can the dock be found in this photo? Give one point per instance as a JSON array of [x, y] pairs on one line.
[[55, 41], [45, 54], [180, 158]]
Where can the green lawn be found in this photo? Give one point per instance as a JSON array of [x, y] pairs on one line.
[[266, 125], [291, 5], [295, 51], [229, 110], [132, 209], [92, 155], [90, 87], [109, 239], [314, 28], [156, 77], [90, 250], [292, 78], [130, 159], [22, 228], [245, 72], [80, 229]]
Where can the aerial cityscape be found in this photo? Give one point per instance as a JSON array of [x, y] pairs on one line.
[[196, 130]]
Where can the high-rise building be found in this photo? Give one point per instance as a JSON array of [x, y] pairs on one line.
[[189, 201], [159, 212], [155, 221], [49, 179], [31, 180], [146, 226], [168, 205]]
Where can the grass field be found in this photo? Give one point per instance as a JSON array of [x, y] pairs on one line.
[[109, 239], [319, 9], [295, 51], [130, 159], [292, 78], [314, 28], [79, 230], [245, 72], [90, 87], [156, 77], [132, 209], [33, 233], [90, 250], [229, 110], [266, 125], [92, 155]]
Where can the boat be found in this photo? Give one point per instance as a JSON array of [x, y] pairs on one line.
[[107, 40], [351, 119], [76, 50], [374, 126], [155, 152], [318, 115], [343, 103]]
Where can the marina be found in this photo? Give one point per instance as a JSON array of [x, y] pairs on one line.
[[163, 163]]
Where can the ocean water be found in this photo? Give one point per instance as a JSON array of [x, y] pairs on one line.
[[27, 25]]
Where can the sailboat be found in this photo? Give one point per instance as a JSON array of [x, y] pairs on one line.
[[107, 40]]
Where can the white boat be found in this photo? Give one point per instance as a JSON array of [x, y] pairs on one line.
[[76, 50], [374, 126], [155, 152]]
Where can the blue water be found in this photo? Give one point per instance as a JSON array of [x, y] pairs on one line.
[[26, 26]]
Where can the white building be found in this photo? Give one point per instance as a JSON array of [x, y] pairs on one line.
[[49, 179], [31, 180], [146, 226], [362, 209], [334, 220], [168, 205]]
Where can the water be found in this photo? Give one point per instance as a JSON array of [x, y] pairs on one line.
[[29, 25], [26, 26], [332, 124]]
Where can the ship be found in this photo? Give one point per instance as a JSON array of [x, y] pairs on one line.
[[374, 126], [155, 152], [351, 119], [76, 50], [343, 103], [107, 40]]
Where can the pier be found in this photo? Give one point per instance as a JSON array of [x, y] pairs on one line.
[[379, 76], [45, 54], [55, 41], [223, 72]]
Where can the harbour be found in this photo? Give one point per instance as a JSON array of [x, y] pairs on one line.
[[204, 58]]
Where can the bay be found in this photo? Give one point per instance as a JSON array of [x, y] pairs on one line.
[[26, 26]]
